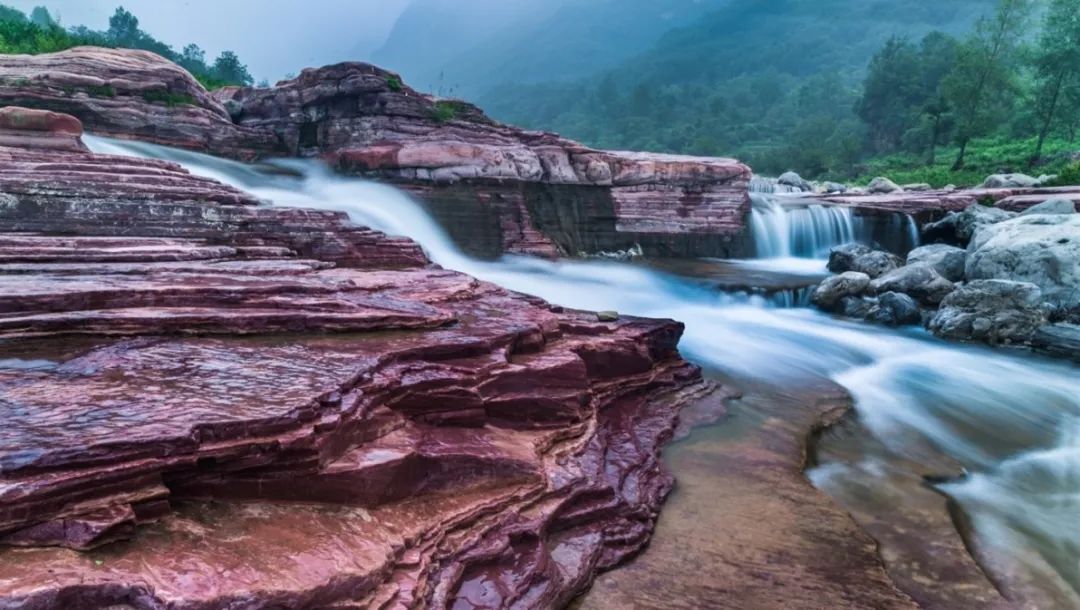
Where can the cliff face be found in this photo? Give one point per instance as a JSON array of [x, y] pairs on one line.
[[195, 374], [500, 188]]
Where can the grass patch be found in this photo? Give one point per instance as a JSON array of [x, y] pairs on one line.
[[170, 98], [984, 157], [101, 91], [447, 110], [393, 82]]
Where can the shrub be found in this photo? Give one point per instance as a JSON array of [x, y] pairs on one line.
[[101, 91], [393, 82], [446, 110], [169, 97], [1070, 176]]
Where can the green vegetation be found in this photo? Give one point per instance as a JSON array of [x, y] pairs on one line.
[[393, 82], [41, 33], [446, 110], [101, 91], [170, 98], [955, 89]]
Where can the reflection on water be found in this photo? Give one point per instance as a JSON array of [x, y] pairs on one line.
[[1013, 422]]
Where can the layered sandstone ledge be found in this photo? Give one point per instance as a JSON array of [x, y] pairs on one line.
[[497, 188], [196, 406]]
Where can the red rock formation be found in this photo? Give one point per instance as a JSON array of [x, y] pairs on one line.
[[522, 191], [130, 94], [191, 395]]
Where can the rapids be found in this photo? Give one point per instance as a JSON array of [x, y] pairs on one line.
[[1011, 420]]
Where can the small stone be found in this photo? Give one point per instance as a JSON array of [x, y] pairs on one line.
[[607, 316]]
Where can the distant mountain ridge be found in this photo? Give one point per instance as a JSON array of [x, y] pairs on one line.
[[483, 43]]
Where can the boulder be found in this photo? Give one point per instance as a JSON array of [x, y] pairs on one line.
[[918, 187], [995, 311], [796, 181], [1043, 249], [832, 290], [857, 257], [856, 307], [882, 185], [998, 181], [842, 258], [834, 187], [919, 281], [1052, 206], [958, 227], [1061, 340], [946, 260], [895, 309]]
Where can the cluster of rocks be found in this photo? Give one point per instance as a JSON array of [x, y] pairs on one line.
[[274, 407], [1006, 277]]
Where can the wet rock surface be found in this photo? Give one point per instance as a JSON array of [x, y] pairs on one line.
[[213, 404], [1018, 273]]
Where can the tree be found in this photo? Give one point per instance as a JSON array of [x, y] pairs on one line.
[[1057, 67], [193, 58], [123, 28], [227, 68], [983, 79], [892, 94], [40, 16]]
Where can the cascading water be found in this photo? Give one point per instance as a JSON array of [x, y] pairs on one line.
[[1013, 422], [793, 228]]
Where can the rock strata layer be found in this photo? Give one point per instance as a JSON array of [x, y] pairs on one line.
[[214, 404], [497, 188]]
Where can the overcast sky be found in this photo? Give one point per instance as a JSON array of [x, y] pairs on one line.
[[273, 37]]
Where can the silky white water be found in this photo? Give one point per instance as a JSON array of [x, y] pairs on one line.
[[1013, 422]]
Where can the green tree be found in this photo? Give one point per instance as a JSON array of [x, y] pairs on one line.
[[192, 58], [41, 16], [123, 28], [983, 79], [227, 68], [892, 94], [1057, 68]]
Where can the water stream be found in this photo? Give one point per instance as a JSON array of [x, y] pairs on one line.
[[1011, 420]]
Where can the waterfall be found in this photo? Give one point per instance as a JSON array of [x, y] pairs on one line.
[[791, 227]]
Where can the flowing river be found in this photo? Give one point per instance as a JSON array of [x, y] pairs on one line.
[[1008, 421]]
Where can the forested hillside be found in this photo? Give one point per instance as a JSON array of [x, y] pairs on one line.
[[770, 81], [482, 43]]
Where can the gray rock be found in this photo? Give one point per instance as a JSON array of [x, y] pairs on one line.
[[1043, 249], [855, 191], [876, 263], [917, 187], [832, 290], [856, 307], [883, 185], [607, 316], [957, 228], [835, 187], [946, 260], [1062, 340], [795, 180], [919, 281], [895, 309], [998, 181], [842, 258], [1052, 206], [857, 257], [235, 108], [995, 311]]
